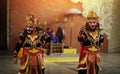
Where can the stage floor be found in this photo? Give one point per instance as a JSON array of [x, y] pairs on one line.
[[110, 61]]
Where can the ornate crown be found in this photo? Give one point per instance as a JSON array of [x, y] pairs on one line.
[[31, 19], [92, 17]]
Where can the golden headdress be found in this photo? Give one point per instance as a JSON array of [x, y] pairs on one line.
[[31, 19], [92, 17]]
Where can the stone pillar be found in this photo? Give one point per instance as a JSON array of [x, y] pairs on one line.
[[8, 24], [114, 42]]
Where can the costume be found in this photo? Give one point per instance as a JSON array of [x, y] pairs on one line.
[[31, 56], [91, 39], [28, 49]]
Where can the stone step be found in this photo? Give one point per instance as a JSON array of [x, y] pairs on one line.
[[61, 58]]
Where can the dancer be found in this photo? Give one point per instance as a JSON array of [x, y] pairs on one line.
[[28, 49], [91, 39]]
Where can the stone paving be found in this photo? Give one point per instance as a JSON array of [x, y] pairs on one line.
[[111, 65]]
